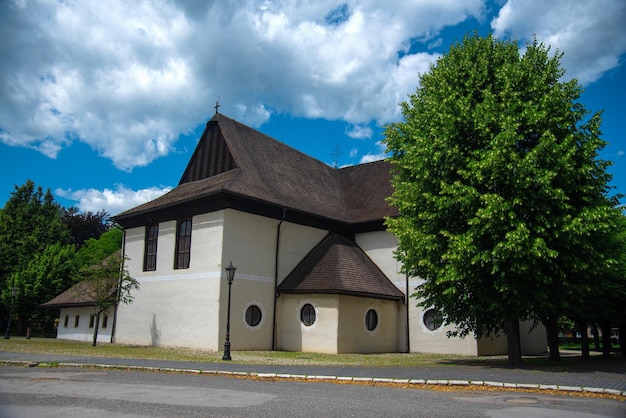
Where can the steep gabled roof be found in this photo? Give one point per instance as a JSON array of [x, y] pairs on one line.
[[234, 159], [338, 266]]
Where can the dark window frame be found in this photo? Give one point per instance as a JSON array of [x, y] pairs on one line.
[[66, 321], [183, 244], [105, 321], [308, 315], [92, 320], [433, 319], [371, 320], [150, 249], [254, 315], [76, 321]]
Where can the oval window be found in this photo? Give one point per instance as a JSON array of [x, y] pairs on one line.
[[371, 320], [307, 315], [253, 315], [433, 319]]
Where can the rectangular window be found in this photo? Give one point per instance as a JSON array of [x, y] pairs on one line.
[[76, 319], [67, 318], [105, 321], [150, 252], [183, 244], [92, 318]]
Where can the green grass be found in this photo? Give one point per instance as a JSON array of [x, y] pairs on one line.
[[84, 349]]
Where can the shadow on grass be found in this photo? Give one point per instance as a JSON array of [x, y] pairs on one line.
[[569, 363]]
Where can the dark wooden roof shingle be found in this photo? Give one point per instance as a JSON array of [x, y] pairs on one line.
[[338, 266], [236, 159]]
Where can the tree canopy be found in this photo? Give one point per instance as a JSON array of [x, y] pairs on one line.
[[38, 249], [502, 197]]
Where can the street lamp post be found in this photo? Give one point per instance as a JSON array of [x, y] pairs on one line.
[[7, 335], [230, 275]]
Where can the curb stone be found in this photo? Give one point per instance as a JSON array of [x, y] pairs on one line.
[[379, 380]]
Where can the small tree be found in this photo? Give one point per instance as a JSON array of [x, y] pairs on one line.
[[499, 188], [106, 284]]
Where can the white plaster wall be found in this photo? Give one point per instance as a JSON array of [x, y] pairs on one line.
[[534, 338], [321, 337], [83, 332], [379, 247], [175, 307], [353, 335], [251, 247]]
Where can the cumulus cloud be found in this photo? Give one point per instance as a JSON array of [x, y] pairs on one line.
[[129, 77], [111, 201], [591, 34], [380, 155], [359, 132]]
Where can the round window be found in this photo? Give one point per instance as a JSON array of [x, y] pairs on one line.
[[433, 319], [371, 320], [253, 315], [307, 315]]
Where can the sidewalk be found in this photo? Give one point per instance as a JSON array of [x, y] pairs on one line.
[[611, 382]]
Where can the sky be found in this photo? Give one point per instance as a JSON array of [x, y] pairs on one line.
[[103, 102]]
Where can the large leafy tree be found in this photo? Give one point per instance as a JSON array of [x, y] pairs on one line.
[[30, 221], [499, 186]]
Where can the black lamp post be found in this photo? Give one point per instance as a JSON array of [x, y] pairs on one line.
[[7, 335], [230, 275]]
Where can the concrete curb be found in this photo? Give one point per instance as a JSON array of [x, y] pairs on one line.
[[416, 383]]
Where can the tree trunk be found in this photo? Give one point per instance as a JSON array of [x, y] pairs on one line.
[[622, 337], [596, 336], [584, 340], [552, 332], [514, 342], [606, 339], [95, 330]]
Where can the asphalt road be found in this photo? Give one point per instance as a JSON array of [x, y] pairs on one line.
[[69, 392]]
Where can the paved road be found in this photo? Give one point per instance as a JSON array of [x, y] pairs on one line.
[[90, 393], [611, 378]]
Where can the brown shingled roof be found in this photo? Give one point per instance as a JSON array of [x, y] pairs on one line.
[[236, 159], [338, 266], [75, 296]]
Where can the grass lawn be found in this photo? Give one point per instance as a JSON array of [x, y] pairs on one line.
[[84, 349]]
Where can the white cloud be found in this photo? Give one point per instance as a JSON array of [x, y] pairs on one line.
[[128, 77], [111, 201], [359, 132], [591, 34], [381, 155]]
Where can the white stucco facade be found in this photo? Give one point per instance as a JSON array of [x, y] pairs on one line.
[[78, 324]]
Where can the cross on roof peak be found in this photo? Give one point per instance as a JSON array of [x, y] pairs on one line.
[[217, 106]]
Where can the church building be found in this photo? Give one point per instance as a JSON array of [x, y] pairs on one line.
[[315, 270]]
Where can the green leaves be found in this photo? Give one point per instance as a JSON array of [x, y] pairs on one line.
[[499, 186]]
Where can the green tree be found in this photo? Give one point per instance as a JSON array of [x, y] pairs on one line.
[[106, 284], [498, 185], [30, 221], [95, 250], [46, 275]]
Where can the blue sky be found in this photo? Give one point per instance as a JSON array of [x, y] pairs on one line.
[[103, 102]]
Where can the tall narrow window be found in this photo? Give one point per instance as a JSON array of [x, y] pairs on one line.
[[150, 253], [105, 321], [76, 321], [183, 244], [92, 318]]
